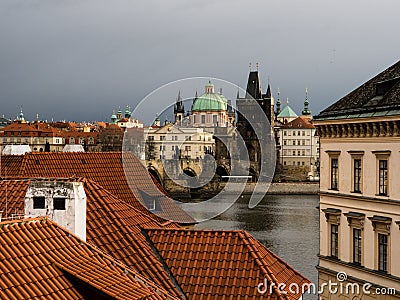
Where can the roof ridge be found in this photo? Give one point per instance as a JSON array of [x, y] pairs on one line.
[[249, 236]]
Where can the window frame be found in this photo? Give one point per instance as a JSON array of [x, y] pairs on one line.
[[382, 155], [333, 156]]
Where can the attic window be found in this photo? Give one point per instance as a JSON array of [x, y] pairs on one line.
[[59, 203], [37, 161], [83, 161], [39, 202], [384, 86]]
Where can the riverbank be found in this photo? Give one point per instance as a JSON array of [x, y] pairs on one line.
[[275, 188], [285, 188]]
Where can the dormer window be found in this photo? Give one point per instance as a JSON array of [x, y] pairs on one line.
[[384, 86]]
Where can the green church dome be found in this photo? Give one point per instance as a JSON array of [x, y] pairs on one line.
[[210, 101]]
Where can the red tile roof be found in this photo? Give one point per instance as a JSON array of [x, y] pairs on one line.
[[12, 197], [301, 122], [39, 259], [112, 225], [221, 264], [198, 263], [106, 168], [10, 165]]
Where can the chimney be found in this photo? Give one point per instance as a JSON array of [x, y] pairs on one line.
[[63, 202]]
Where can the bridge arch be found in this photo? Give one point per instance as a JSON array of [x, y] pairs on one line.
[[155, 174]]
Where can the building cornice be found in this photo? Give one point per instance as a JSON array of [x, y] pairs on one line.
[[370, 128], [360, 197]]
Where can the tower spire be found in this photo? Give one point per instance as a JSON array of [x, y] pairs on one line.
[[306, 111], [278, 102]]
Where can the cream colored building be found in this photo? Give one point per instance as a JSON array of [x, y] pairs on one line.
[[298, 143], [172, 142], [360, 192]]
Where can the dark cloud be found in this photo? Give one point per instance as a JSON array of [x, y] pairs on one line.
[[79, 60]]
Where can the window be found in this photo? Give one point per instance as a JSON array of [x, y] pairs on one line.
[[284, 142], [39, 202], [203, 119], [298, 133], [294, 153], [188, 148], [162, 137], [215, 120], [334, 240], [285, 133], [298, 152], [334, 173], [294, 133], [381, 226], [303, 152], [382, 252], [294, 143], [302, 163], [59, 203], [303, 142], [303, 133], [298, 142], [151, 138], [357, 175], [357, 246], [383, 177]]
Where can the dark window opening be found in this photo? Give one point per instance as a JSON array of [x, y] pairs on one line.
[[59, 203], [39, 202], [383, 177], [334, 173], [357, 246], [357, 175], [382, 252], [334, 240]]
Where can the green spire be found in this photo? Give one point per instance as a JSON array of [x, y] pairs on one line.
[[306, 111], [278, 103]]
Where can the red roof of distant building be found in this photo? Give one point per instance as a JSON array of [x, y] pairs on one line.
[[301, 122]]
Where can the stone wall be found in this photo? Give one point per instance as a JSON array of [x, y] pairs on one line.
[[295, 173]]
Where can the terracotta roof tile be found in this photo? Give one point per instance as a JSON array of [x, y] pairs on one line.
[[221, 264], [10, 165], [105, 168], [39, 259], [301, 122], [112, 225]]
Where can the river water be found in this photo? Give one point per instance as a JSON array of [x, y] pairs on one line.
[[287, 224]]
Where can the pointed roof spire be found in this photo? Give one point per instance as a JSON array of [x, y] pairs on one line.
[[306, 111], [268, 94], [237, 95], [278, 103]]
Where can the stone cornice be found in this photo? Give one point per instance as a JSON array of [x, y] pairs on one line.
[[390, 128]]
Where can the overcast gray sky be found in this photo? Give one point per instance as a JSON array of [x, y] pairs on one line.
[[80, 59]]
